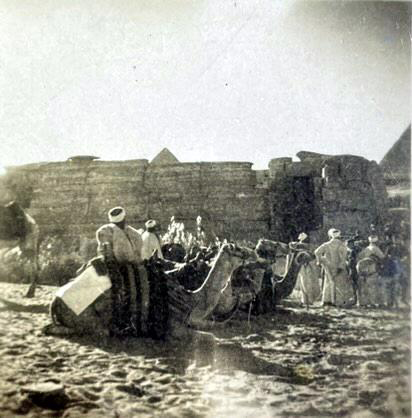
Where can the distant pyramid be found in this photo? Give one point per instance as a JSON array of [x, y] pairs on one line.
[[396, 164], [164, 157]]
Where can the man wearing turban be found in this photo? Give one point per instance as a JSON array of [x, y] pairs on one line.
[[371, 291], [372, 250], [150, 241], [331, 255], [121, 246]]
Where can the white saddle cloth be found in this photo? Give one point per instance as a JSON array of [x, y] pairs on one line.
[[84, 290]]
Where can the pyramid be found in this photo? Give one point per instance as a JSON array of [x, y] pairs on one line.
[[396, 163], [164, 157]]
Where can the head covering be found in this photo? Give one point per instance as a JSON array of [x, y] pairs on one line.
[[117, 214], [151, 223], [373, 238], [199, 220], [334, 233], [302, 236]]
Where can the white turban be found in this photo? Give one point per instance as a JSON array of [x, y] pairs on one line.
[[150, 223], [373, 238], [334, 233], [302, 236], [117, 214]]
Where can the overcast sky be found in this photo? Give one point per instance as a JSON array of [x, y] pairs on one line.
[[238, 80]]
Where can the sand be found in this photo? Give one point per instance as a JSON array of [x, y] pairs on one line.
[[297, 362]]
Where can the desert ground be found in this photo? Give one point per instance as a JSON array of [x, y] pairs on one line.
[[297, 362]]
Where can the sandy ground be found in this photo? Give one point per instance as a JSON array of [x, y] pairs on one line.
[[296, 362]]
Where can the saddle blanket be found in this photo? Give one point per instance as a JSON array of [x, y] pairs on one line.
[[84, 289]]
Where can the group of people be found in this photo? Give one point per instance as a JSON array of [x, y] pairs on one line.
[[125, 250], [375, 270]]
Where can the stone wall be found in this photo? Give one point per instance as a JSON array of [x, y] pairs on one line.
[[224, 194], [348, 192], [72, 198]]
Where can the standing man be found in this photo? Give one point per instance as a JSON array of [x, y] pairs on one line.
[[121, 246], [372, 250], [331, 255], [351, 259], [308, 277], [151, 241], [372, 290]]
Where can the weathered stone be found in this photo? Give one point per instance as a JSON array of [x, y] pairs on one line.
[[234, 201], [46, 395], [278, 166]]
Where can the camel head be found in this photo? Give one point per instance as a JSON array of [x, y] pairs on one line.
[[12, 221], [244, 254], [269, 250]]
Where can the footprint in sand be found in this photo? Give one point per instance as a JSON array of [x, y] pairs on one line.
[[80, 409], [118, 373], [41, 365], [131, 390], [154, 399], [89, 395], [96, 389], [166, 379], [83, 380]]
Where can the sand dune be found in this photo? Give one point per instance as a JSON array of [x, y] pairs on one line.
[[295, 363]]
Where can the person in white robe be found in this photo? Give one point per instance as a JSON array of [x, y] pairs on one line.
[[370, 283], [150, 240], [331, 255], [119, 242], [308, 277]]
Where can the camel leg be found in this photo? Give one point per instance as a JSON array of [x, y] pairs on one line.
[[35, 276], [32, 290]]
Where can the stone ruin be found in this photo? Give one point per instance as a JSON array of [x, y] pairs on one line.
[[70, 199]]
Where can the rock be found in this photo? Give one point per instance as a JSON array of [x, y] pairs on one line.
[[46, 395]]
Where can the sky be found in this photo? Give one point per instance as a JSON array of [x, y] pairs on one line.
[[211, 80]]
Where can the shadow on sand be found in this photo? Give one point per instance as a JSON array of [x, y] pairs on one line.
[[217, 350]]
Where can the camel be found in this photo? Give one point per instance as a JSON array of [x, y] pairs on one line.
[[19, 229], [84, 304], [279, 283], [216, 295], [217, 298]]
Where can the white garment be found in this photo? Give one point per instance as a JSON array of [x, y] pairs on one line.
[[336, 287], [332, 254], [371, 250], [150, 244], [84, 290], [126, 243], [308, 281]]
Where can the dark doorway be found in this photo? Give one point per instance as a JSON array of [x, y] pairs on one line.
[[294, 207]]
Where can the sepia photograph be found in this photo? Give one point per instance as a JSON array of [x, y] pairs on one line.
[[205, 208]]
